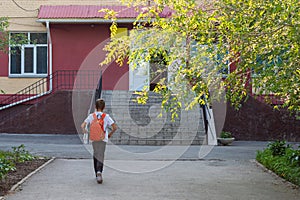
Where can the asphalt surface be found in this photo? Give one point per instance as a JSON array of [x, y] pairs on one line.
[[147, 172], [71, 146]]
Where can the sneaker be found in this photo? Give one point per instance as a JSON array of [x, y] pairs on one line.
[[99, 177]]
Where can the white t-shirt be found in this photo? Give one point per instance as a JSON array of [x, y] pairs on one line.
[[107, 121]]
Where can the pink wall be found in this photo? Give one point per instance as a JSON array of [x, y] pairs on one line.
[[116, 77], [79, 46], [3, 64]]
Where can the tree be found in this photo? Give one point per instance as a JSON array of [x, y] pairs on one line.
[[197, 40], [6, 40], [4, 37]]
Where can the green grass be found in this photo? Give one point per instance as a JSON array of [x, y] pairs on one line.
[[282, 159]]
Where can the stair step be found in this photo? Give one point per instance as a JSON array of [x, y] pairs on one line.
[[141, 141], [139, 125]]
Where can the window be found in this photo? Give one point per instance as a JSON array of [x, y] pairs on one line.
[[218, 62], [28, 55], [122, 32]]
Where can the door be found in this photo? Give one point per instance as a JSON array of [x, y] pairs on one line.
[[139, 76]]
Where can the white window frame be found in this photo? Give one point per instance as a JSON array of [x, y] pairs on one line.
[[34, 74]]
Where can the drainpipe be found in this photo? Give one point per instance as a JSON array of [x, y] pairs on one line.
[[50, 57]]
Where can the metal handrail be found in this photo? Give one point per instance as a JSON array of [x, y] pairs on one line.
[[208, 117], [29, 93], [97, 93], [61, 79]]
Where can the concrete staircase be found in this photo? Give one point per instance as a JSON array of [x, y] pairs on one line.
[[63, 111], [140, 125]]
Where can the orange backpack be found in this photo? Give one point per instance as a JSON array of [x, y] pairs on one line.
[[97, 132]]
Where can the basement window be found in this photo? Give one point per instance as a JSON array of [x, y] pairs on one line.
[[28, 55]]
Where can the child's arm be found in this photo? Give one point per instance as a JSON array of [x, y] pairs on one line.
[[83, 125], [114, 128]]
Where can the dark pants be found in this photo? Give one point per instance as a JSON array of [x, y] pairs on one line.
[[99, 149]]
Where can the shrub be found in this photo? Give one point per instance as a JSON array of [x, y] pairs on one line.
[[295, 157], [225, 134], [21, 155], [9, 159], [5, 167], [281, 159], [278, 148]]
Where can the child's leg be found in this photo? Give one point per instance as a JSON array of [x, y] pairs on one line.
[[99, 149]]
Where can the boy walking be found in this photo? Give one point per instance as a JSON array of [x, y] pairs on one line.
[[99, 144]]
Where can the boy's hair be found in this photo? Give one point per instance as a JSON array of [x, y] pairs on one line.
[[100, 104]]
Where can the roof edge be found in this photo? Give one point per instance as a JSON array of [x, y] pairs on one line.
[[80, 20]]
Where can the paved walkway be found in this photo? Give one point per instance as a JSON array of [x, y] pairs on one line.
[[147, 172]]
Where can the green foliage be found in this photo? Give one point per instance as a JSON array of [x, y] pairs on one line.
[[9, 159], [6, 40], [225, 134], [16, 39], [284, 163], [6, 164], [264, 34], [5, 167], [21, 155], [4, 36], [197, 43], [278, 148], [295, 157]]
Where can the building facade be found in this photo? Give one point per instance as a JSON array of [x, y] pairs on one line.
[[64, 47], [64, 36]]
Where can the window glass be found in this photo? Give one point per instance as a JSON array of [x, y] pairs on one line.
[[38, 38], [18, 38], [15, 60], [41, 60], [122, 32], [28, 60]]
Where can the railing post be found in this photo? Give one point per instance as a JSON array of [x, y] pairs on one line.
[[99, 88], [209, 124]]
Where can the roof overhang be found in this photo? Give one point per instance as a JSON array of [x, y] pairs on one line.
[[80, 21], [90, 14]]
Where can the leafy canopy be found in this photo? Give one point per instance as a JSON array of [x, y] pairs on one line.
[[3, 35], [16, 39], [6, 40], [196, 41]]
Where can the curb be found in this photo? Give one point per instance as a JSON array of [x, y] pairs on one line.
[[290, 184], [14, 187]]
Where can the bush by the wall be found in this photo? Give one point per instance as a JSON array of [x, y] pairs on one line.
[[281, 159], [9, 159]]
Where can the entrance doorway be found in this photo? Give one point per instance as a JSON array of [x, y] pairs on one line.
[[147, 74]]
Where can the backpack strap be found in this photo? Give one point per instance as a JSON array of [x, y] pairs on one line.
[[103, 115], [95, 116]]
